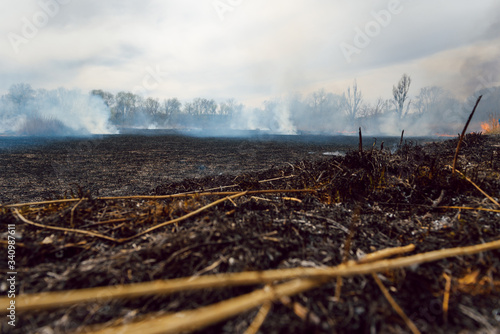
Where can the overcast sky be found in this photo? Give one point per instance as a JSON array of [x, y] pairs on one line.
[[249, 50]]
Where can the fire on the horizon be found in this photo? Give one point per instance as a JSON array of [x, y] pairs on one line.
[[492, 126]]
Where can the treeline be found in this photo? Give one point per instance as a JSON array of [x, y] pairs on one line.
[[131, 110], [432, 110], [319, 111]]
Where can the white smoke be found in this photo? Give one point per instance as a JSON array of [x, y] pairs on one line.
[[55, 112], [283, 123], [83, 113], [247, 119], [275, 118]]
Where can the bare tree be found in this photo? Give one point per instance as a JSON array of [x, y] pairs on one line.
[[428, 99], [172, 106], [170, 111], [201, 106], [321, 103], [380, 106], [152, 106], [317, 100], [230, 107], [400, 93], [352, 101], [20, 95], [126, 102]]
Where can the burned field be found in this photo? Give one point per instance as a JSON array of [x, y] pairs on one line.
[[254, 235], [138, 162]]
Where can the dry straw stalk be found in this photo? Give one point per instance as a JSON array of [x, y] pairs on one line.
[[50, 300]]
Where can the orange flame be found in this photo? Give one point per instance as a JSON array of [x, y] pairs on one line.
[[485, 127], [492, 126]]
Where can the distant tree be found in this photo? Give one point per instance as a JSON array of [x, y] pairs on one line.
[[170, 111], [126, 102], [318, 100], [322, 104], [107, 97], [140, 105], [352, 101], [152, 106], [400, 94], [20, 95], [201, 106], [208, 107], [379, 107], [428, 99], [172, 106], [188, 108], [315, 111], [230, 107], [225, 108], [125, 107]]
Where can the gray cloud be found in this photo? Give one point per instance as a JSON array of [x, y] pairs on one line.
[[259, 49]]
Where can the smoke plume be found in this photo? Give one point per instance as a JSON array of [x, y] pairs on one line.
[[55, 112]]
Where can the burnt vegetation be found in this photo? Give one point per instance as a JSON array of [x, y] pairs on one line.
[[312, 213]]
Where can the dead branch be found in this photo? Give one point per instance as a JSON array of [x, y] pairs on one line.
[[360, 142], [463, 134]]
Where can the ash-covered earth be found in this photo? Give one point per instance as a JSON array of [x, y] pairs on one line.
[[39, 168]]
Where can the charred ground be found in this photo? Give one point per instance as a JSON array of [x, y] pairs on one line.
[[376, 199], [135, 163]]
